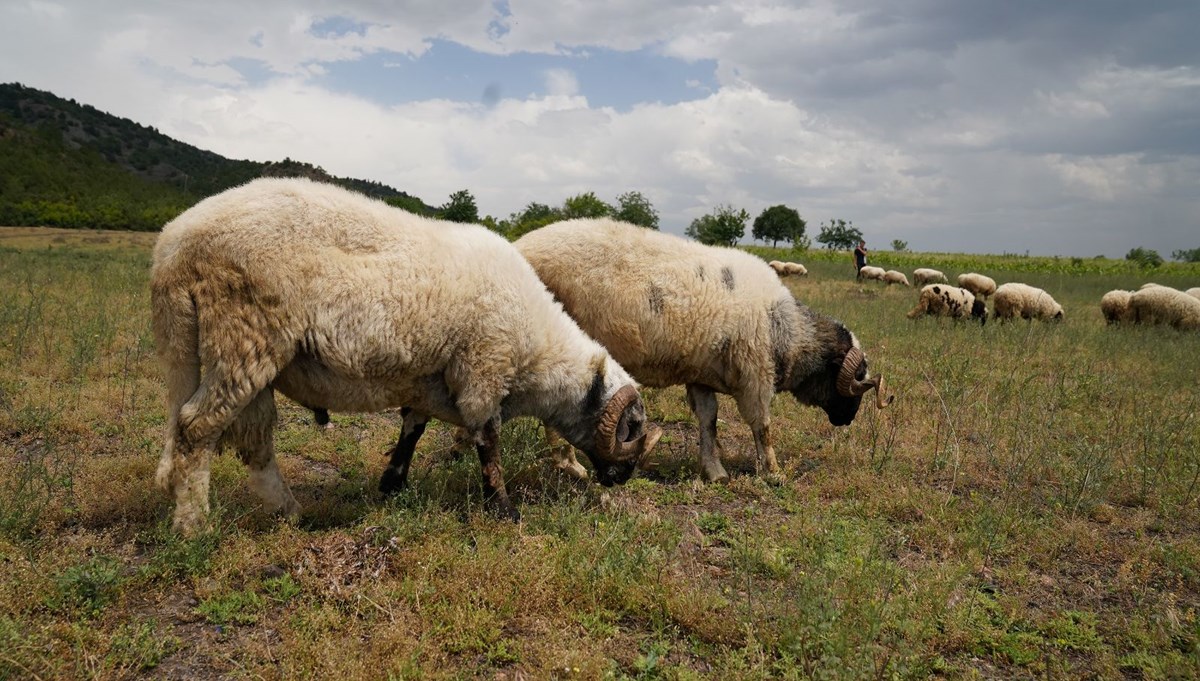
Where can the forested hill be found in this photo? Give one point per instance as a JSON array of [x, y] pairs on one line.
[[71, 165]]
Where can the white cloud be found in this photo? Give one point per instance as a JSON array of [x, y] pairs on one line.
[[561, 82]]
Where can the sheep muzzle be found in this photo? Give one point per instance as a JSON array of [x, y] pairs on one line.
[[849, 386]]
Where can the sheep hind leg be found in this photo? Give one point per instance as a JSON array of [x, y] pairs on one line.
[[395, 476], [562, 455], [703, 402], [252, 434], [487, 444]]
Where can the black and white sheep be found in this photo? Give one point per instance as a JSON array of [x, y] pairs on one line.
[[341, 301], [895, 277], [982, 286], [1166, 306], [925, 275], [948, 301], [786, 269], [717, 320], [1014, 300]]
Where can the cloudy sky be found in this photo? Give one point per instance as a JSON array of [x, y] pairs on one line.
[[1065, 127]]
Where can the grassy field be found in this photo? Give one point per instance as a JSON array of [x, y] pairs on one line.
[[1028, 507]]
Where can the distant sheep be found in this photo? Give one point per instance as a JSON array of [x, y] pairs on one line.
[[716, 320], [1115, 306], [871, 272], [1166, 306], [785, 269], [978, 284], [924, 275], [895, 277], [345, 303], [1014, 300], [949, 301]]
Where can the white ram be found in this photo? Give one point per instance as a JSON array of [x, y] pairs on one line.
[[341, 301], [895, 277], [871, 272], [1165, 305], [717, 320]]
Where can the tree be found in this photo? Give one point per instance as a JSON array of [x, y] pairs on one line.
[[839, 234], [409, 203], [586, 205], [533, 216], [722, 227], [635, 208], [1187, 255], [1145, 258], [460, 208], [898, 245], [779, 222]]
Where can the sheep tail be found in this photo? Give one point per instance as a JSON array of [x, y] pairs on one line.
[[177, 342]]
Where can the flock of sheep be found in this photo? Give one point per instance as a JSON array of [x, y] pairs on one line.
[[1151, 304], [344, 303]]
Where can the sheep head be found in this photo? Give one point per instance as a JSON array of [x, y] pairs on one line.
[[623, 437], [849, 385]]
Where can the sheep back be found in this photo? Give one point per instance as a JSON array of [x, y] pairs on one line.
[[1028, 302], [925, 275], [1165, 305], [895, 277], [871, 272]]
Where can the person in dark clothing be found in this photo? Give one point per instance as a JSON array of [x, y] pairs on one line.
[[860, 258]]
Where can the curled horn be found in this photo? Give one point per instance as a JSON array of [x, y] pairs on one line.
[[849, 386], [607, 446]]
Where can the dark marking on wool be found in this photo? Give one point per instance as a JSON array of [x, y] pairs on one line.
[[700, 272], [725, 345], [727, 278], [781, 336], [595, 394], [656, 299]]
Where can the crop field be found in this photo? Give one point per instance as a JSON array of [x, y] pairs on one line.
[[1028, 507]]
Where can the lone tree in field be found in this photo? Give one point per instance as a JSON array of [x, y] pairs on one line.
[[779, 223], [460, 208], [722, 227], [635, 208], [1146, 258], [899, 245], [839, 234]]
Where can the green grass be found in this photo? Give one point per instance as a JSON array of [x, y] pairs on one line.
[[1027, 507]]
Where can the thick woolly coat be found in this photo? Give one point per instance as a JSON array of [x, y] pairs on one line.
[[1014, 300]]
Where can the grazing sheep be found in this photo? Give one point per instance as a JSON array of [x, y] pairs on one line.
[[1115, 306], [1027, 302], [871, 272], [925, 275], [949, 301], [1147, 285], [342, 301], [717, 320], [1167, 306], [785, 269], [1193, 292], [978, 284], [895, 277]]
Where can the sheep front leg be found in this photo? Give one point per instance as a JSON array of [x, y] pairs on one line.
[[487, 443], [395, 476], [755, 408], [703, 402], [562, 455]]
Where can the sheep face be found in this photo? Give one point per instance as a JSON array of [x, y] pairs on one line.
[[979, 311], [614, 434], [631, 431]]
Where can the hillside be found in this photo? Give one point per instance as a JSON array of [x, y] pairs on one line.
[[71, 165]]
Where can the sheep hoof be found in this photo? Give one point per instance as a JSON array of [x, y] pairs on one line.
[[504, 510], [715, 473], [329, 426], [391, 481]]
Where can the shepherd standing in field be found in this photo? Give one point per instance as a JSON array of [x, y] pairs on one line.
[[860, 258]]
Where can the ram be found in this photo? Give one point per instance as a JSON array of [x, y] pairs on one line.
[[978, 284], [1014, 300], [1166, 306], [949, 301], [716, 320], [895, 277], [925, 275], [341, 301]]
